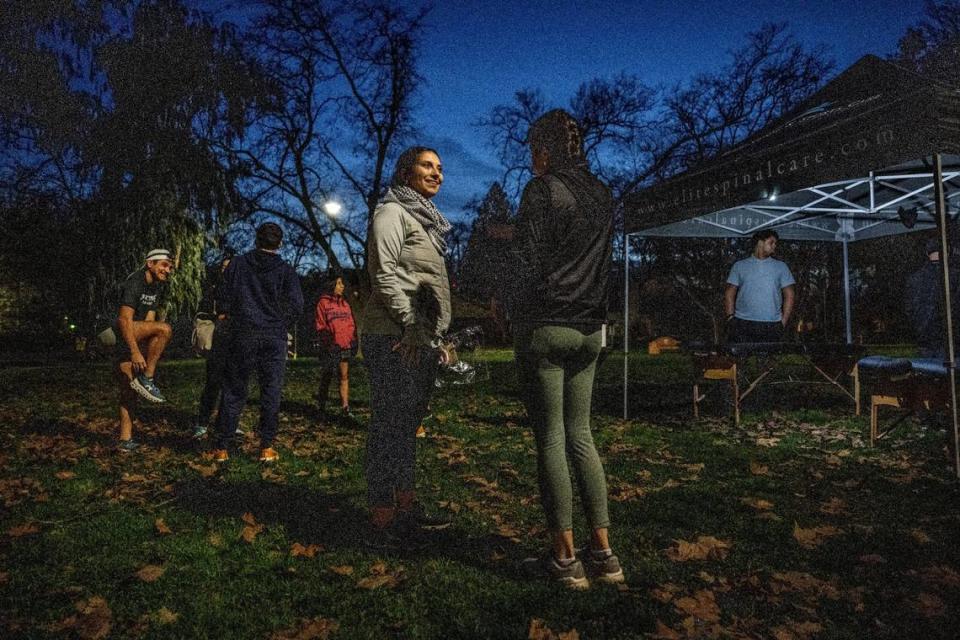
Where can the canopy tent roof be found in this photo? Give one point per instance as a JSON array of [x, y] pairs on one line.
[[843, 166]]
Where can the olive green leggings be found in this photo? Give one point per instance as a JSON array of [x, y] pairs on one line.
[[556, 366]]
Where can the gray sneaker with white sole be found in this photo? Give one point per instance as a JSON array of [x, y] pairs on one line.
[[603, 567]]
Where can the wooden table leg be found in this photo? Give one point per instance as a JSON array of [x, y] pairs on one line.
[[736, 396]]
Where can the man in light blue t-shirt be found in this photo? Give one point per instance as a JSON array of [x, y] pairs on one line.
[[759, 296]]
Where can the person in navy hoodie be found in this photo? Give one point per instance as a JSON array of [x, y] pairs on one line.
[[259, 298], [337, 332]]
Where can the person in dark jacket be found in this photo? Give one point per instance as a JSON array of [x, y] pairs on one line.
[[216, 359], [260, 297], [923, 303], [563, 240], [337, 332]]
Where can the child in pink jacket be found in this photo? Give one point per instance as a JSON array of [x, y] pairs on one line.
[[337, 332]]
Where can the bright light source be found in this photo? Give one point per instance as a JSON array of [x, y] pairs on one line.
[[332, 208], [772, 197]]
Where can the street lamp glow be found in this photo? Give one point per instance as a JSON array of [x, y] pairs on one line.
[[332, 208]]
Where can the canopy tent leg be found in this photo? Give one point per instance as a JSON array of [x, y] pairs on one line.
[[941, 206], [626, 316], [846, 291]]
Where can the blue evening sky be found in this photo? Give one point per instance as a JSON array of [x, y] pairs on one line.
[[477, 54]]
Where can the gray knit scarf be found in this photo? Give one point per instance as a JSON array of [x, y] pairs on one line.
[[426, 213]]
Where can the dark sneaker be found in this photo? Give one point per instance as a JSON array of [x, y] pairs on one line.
[[199, 431], [239, 432], [417, 518], [128, 446], [571, 575], [147, 389], [345, 412], [603, 566]]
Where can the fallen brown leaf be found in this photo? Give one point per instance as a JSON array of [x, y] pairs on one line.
[[624, 492], [539, 630], [64, 475], [705, 547], [376, 581], [758, 469], [786, 581], [342, 570], [25, 529], [664, 632], [308, 551], [920, 536], [812, 538], [165, 616], [929, 605], [162, 527], [797, 630], [92, 621], [249, 532], [150, 573], [665, 592], [834, 507], [757, 503], [702, 605], [943, 576], [316, 629], [204, 470]]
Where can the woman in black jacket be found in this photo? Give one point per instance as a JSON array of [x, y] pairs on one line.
[[564, 241]]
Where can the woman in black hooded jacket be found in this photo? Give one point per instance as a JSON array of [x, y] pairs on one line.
[[563, 242]]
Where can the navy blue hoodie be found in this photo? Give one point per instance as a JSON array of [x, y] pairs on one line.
[[260, 292]]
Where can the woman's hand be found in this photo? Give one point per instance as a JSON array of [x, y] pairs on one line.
[[409, 353]]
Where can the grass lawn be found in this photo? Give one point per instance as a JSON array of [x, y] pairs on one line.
[[787, 527]]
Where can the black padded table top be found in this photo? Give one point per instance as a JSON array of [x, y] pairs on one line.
[[746, 349]]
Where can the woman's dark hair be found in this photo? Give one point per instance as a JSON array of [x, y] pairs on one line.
[[763, 235], [329, 282], [405, 164], [559, 134]]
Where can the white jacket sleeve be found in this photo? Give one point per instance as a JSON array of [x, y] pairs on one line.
[[386, 243]]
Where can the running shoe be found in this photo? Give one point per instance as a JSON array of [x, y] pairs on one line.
[[147, 389]]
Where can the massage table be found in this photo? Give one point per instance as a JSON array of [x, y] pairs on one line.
[[903, 383], [833, 362]]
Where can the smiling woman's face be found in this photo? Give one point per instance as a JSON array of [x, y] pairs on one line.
[[426, 176]]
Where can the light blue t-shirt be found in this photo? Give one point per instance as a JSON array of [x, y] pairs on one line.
[[759, 288]]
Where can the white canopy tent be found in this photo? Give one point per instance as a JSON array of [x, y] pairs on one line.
[[876, 152]]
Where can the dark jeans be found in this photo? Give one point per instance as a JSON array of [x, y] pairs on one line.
[[751, 331], [216, 367], [399, 400], [248, 352]]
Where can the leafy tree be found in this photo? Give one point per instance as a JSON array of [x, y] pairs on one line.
[[106, 129]]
